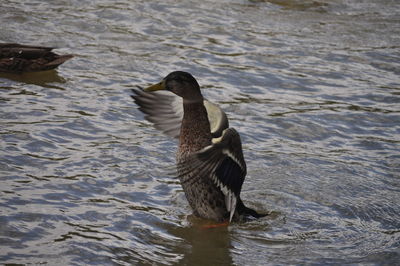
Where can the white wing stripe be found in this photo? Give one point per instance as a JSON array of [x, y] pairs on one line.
[[230, 155]]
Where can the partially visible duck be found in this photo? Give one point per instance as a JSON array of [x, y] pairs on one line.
[[18, 58]]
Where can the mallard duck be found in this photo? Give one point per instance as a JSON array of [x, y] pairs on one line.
[[18, 58], [210, 162]]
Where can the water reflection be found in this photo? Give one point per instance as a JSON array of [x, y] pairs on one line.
[[201, 244], [43, 78]]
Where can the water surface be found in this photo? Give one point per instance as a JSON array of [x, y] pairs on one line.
[[313, 87]]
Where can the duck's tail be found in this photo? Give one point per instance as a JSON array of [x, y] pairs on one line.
[[248, 213]]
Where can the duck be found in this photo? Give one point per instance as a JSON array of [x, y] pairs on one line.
[[209, 161], [19, 58]]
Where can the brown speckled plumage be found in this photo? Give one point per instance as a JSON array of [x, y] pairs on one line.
[[194, 136], [205, 198]]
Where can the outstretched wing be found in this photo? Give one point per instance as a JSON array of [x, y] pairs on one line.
[[165, 110], [223, 162]]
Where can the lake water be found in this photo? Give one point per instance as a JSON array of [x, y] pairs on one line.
[[312, 86]]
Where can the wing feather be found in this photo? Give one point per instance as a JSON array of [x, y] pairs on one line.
[[165, 110]]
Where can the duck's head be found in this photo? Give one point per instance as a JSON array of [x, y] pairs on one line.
[[182, 84]]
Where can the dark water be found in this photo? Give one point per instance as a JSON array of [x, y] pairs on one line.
[[312, 86]]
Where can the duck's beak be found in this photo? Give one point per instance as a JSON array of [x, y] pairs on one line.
[[156, 87]]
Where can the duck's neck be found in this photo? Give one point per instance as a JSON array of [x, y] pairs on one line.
[[195, 129]]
